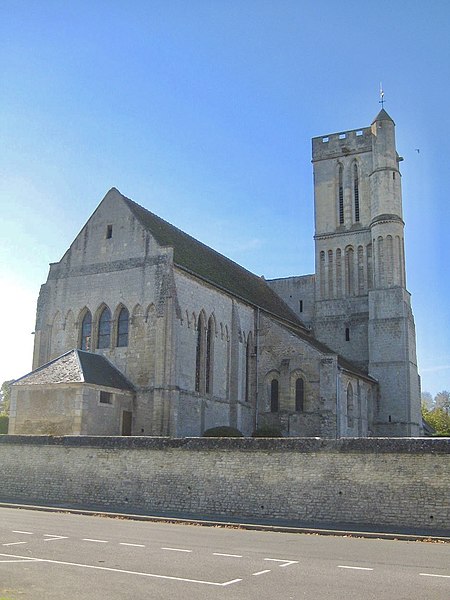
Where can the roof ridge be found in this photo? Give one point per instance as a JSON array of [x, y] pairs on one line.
[[210, 265]]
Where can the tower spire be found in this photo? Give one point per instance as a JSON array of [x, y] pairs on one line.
[[381, 100]]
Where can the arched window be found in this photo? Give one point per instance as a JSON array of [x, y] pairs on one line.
[[369, 267], [339, 273], [350, 407], [341, 195], [248, 367], [86, 331], [349, 271], [200, 355], [361, 283], [322, 274], [104, 329], [299, 394], [330, 274], [209, 367], [274, 395], [122, 327], [356, 191]]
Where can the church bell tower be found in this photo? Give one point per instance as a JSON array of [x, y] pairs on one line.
[[362, 306]]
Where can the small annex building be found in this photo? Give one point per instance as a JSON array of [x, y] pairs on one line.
[[142, 329]]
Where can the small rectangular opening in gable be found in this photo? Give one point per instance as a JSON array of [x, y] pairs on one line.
[[105, 397], [108, 232]]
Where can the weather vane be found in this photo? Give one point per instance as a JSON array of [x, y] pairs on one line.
[[382, 100]]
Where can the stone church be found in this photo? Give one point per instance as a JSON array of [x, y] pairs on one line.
[[143, 330]]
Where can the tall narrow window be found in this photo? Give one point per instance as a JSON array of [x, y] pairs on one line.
[[122, 327], [356, 191], [381, 281], [274, 395], [248, 367], [341, 195], [200, 355], [339, 273], [330, 274], [209, 355], [322, 274], [369, 267], [299, 394], [86, 331], [104, 329], [361, 282], [350, 407], [349, 271]]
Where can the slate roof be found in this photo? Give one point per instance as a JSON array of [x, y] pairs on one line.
[[191, 255], [78, 366], [383, 116]]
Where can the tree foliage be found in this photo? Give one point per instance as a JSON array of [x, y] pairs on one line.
[[438, 415], [5, 396]]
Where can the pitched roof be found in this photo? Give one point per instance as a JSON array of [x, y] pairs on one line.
[[211, 266], [194, 257], [383, 116], [78, 366]]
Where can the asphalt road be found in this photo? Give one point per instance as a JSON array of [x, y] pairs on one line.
[[55, 556]]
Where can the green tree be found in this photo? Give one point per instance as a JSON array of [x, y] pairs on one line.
[[5, 396], [442, 400], [438, 418]]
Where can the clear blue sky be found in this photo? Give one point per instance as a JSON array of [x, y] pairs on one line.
[[203, 111]]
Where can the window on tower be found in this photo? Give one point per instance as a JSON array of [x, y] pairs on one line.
[[356, 191], [341, 195]]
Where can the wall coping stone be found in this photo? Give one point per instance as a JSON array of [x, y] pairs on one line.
[[302, 445]]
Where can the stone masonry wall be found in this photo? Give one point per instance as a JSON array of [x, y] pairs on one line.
[[401, 483]]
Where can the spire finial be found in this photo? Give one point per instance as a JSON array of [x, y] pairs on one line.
[[381, 100]]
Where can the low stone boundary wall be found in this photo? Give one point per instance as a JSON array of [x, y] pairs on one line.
[[401, 483]]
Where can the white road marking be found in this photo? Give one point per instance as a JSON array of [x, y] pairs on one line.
[[14, 543], [134, 545], [24, 532], [356, 568], [60, 562], [261, 572], [97, 541], [52, 538], [19, 560], [231, 555], [434, 575], [285, 562], [176, 549]]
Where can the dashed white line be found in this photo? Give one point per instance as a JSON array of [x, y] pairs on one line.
[[230, 555], [285, 562], [19, 560], [60, 562], [176, 549], [51, 538], [261, 572], [24, 532], [14, 543], [97, 541], [434, 575], [356, 568], [134, 545]]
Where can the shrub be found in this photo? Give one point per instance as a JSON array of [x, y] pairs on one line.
[[223, 431], [4, 424], [267, 431]]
